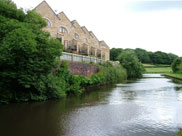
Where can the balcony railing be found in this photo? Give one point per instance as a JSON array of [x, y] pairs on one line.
[[81, 58]]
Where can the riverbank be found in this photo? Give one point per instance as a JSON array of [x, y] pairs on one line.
[[150, 68], [180, 133], [177, 76], [61, 83], [162, 69]]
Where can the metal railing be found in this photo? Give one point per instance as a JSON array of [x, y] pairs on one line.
[[81, 58]]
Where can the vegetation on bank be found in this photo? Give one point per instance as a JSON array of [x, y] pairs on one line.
[[146, 57], [27, 57], [150, 68], [158, 70], [180, 133], [130, 62], [174, 75], [153, 62], [71, 84], [176, 68], [173, 71], [29, 61]]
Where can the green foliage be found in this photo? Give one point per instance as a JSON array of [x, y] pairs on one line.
[[114, 53], [33, 18], [145, 56], [130, 62], [27, 57], [9, 10], [179, 133], [113, 74], [67, 84], [177, 65]]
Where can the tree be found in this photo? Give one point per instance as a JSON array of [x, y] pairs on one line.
[[130, 62], [27, 57], [114, 53], [177, 65], [143, 55]]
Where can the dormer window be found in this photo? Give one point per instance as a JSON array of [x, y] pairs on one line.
[[63, 30], [76, 36]]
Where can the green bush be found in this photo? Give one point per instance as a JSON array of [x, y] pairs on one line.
[[130, 62], [27, 57], [76, 84], [177, 65]]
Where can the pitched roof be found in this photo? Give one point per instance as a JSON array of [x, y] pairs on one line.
[[91, 33], [100, 42], [48, 6], [64, 15]]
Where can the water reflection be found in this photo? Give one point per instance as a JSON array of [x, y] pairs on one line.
[[149, 106]]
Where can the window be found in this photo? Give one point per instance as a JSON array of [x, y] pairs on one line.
[[76, 36], [48, 23], [86, 40], [63, 30]]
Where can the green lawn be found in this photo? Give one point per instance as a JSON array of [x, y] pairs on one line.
[[155, 66], [158, 70], [162, 69], [175, 75], [180, 133]]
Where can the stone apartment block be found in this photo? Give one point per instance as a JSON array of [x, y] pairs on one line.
[[75, 38]]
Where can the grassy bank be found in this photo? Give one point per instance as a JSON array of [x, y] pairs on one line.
[[149, 68], [158, 70], [180, 133], [174, 75], [162, 69]]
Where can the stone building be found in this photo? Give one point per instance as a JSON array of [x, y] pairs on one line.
[[75, 38]]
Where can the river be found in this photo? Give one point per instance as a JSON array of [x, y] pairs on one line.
[[151, 106]]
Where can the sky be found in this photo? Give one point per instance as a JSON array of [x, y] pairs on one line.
[[151, 25]]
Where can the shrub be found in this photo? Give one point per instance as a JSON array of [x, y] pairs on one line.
[[177, 65], [27, 57], [130, 62]]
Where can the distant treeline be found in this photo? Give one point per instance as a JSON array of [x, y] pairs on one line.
[[146, 56]]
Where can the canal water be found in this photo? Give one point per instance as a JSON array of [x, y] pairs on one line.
[[151, 106]]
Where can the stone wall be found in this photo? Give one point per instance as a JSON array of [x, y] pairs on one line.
[[77, 68]]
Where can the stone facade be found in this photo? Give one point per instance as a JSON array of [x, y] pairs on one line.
[[75, 38]]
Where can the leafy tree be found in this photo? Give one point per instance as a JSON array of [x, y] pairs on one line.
[[143, 55], [177, 65], [27, 57], [9, 10], [130, 62], [114, 53]]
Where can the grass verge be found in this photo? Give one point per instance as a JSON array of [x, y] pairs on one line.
[[180, 133], [174, 75], [158, 70]]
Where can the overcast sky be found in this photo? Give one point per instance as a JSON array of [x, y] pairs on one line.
[[151, 25]]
